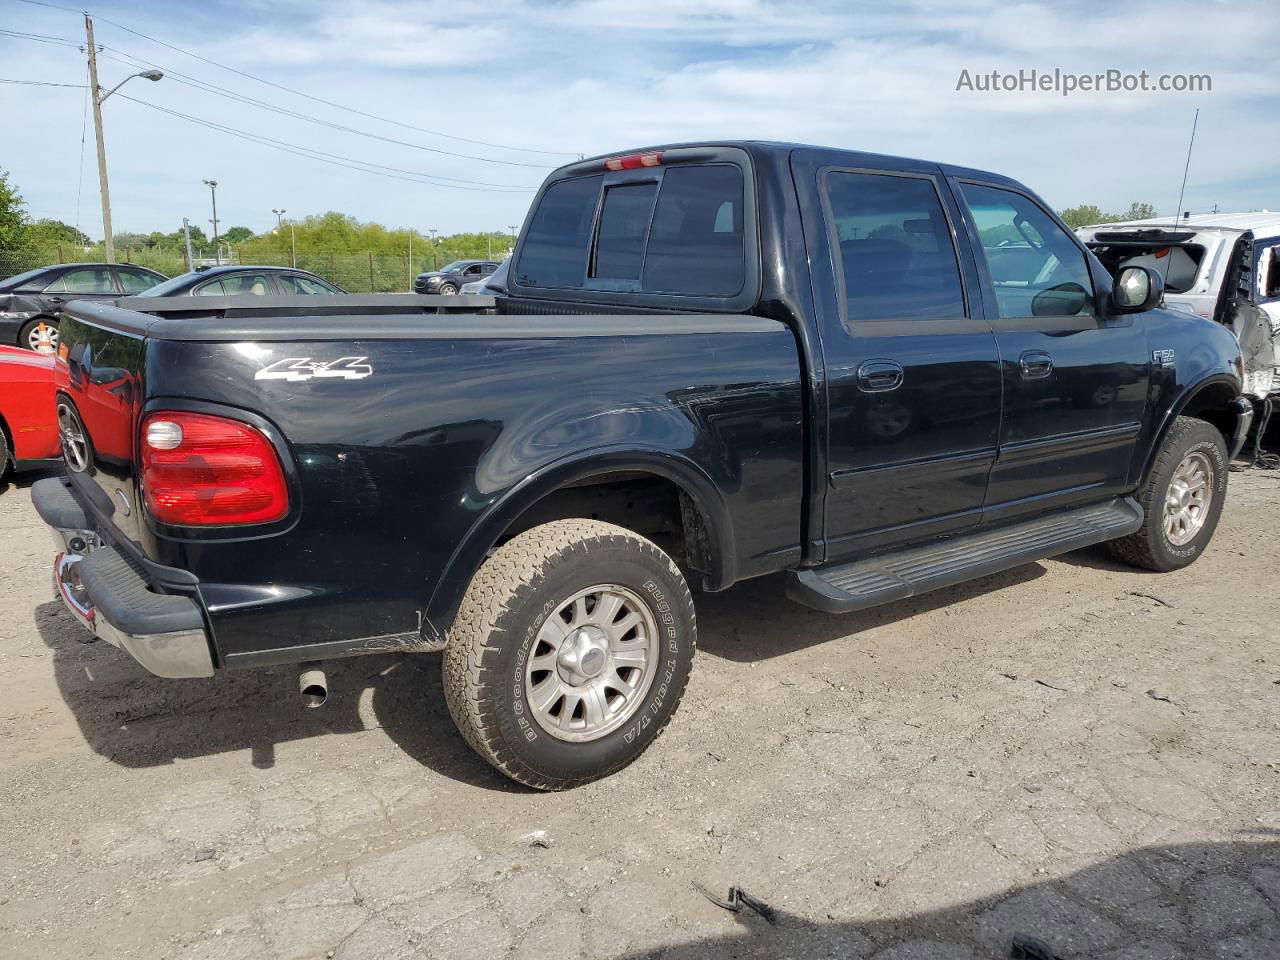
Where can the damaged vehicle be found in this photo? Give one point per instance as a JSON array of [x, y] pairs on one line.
[[1224, 267], [713, 362]]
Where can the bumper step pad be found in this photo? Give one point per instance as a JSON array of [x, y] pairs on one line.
[[847, 587]]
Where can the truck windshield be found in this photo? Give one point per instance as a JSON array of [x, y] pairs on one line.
[[682, 233]]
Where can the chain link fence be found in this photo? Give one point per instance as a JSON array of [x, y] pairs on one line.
[[354, 272]]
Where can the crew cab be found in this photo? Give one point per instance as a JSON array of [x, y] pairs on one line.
[[875, 376]]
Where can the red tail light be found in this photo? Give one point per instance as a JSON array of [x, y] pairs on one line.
[[634, 161], [200, 470]]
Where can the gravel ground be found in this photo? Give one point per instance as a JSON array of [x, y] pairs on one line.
[[1073, 750]]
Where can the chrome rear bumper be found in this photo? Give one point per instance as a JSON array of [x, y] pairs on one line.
[[165, 633]]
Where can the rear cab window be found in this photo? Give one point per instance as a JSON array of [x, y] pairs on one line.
[[669, 232]]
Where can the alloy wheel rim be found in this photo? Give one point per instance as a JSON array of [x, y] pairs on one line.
[[592, 663], [74, 445], [1188, 498]]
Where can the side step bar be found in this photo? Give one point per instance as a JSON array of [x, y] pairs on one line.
[[853, 586]]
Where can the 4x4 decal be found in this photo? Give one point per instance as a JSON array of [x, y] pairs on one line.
[[304, 368]]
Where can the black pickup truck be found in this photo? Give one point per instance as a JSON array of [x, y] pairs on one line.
[[714, 362]]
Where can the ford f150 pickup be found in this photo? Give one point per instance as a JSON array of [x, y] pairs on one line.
[[712, 362]]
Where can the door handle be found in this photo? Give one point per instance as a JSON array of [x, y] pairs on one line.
[[879, 376], [1035, 365], [55, 299]]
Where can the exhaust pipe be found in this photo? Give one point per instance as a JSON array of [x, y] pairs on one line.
[[312, 686]]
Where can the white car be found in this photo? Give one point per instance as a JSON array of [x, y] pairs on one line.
[[491, 286], [1224, 266]]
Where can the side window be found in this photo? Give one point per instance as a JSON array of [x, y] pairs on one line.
[[1036, 268], [85, 280], [211, 289], [896, 250], [472, 271], [554, 251], [1269, 272], [135, 281], [624, 220], [256, 284], [696, 244], [293, 284]]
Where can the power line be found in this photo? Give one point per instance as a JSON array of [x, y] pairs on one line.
[[44, 83], [308, 96], [42, 38], [350, 163], [207, 87]]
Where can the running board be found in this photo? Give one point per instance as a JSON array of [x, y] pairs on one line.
[[843, 588]]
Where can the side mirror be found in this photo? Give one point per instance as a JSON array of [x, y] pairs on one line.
[[1136, 289], [1064, 300]]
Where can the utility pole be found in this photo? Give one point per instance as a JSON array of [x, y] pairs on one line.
[[411, 261], [512, 228], [102, 148], [434, 264], [293, 247], [99, 98], [213, 193], [186, 235]]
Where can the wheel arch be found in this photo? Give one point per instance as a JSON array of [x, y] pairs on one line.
[[1209, 399], [705, 521]]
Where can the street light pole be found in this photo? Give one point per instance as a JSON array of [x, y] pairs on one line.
[[213, 194], [279, 215], [186, 236], [98, 98], [434, 264]]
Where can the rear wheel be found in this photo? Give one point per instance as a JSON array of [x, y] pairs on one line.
[[570, 652], [40, 335], [4, 453], [1182, 499]]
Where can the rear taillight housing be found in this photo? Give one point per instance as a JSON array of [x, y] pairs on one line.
[[201, 470]]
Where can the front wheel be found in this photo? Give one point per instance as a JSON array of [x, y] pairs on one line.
[[1181, 499], [448, 289], [570, 652]]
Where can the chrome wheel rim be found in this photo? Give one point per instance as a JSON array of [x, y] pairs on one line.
[[1187, 501], [43, 337], [592, 663], [75, 448], [447, 291]]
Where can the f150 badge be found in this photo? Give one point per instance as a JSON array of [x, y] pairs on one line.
[[1163, 358], [295, 369]]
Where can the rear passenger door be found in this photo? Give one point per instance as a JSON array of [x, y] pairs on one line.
[[1075, 380], [912, 373]]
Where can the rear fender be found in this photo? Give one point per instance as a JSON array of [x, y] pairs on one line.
[[485, 533]]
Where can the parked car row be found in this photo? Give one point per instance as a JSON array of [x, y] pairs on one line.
[[31, 303]]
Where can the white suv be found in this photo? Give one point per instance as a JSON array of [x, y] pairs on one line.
[[1224, 266]]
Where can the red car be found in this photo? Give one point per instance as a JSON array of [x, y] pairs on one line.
[[28, 426]]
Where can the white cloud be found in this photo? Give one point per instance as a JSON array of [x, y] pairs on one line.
[[598, 75]]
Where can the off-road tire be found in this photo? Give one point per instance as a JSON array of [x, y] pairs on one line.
[[1149, 547], [495, 632]]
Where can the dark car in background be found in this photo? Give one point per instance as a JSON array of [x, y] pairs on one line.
[[232, 280], [31, 303], [450, 279]]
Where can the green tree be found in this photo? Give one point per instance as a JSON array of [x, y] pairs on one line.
[[13, 217], [1084, 215], [49, 233], [1139, 211], [237, 235]]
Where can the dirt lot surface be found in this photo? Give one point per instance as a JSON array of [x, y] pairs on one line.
[[1074, 750]]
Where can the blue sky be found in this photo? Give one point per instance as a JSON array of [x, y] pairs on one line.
[[592, 76]]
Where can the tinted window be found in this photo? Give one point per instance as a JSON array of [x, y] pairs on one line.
[[211, 289], [554, 253], [895, 248], [135, 281], [84, 280], [174, 285], [240, 283], [1036, 268], [696, 241], [624, 219], [24, 279], [292, 284]]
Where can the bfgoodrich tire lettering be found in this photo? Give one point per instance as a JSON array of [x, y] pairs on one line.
[[508, 602], [1151, 547]]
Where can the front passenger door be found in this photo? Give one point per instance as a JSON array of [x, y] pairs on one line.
[[1075, 379]]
